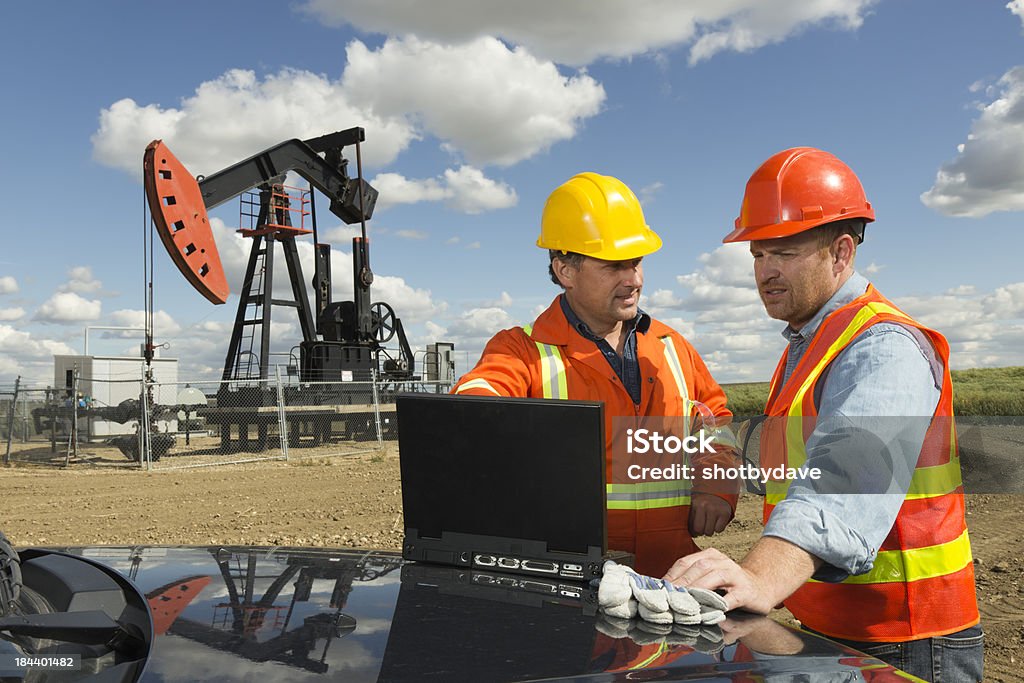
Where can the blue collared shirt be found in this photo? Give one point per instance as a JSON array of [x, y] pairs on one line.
[[874, 407], [626, 366]]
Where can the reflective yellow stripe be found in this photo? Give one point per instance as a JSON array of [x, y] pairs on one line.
[[677, 374], [553, 382], [927, 482], [775, 491], [662, 648], [915, 564], [796, 448], [930, 482], [649, 503], [478, 383], [682, 485], [648, 495]]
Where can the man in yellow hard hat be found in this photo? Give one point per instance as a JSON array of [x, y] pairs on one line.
[[865, 537], [594, 343]]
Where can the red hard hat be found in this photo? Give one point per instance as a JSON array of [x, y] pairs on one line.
[[796, 190]]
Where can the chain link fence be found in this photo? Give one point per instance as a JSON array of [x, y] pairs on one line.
[[174, 425]]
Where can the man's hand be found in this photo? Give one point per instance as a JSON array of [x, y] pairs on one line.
[[772, 571], [712, 569], [709, 514]]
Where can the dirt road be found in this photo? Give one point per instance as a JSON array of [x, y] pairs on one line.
[[355, 500]]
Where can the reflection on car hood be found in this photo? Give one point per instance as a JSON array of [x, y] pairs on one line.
[[279, 614]]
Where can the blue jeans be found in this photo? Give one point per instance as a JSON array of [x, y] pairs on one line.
[[955, 658]]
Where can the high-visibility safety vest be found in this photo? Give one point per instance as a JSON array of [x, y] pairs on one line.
[[922, 581], [549, 359], [625, 496]]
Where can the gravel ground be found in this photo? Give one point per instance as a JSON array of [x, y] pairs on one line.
[[355, 501]]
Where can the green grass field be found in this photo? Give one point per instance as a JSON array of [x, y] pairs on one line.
[[983, 391]]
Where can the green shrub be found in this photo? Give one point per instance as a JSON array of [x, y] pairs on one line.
[[981, 391]]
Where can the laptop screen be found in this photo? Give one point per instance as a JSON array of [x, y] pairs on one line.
[[513, 468]]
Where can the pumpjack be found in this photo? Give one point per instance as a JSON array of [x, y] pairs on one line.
[[342, 342]]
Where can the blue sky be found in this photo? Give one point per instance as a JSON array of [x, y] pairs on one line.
[[474, 112]]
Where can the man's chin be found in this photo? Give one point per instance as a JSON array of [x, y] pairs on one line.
[[624, 313]]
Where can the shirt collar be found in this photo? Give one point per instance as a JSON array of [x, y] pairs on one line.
[[642, 321], [851, 289]]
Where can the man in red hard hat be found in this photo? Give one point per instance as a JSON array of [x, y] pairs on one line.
[[594, 343], [865, 539]]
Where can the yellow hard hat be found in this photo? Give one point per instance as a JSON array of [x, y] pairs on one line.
[[596, 215]]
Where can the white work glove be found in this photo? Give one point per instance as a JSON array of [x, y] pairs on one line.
[[615, 592], [712, 605], [622, 593], [696, 605], [685, 609]]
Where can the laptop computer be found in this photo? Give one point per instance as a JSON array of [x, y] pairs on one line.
[[504, 484], [468, 625]]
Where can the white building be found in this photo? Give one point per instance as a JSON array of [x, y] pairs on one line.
[[108, 380]]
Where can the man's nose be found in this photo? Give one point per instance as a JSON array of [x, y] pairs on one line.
[[634, 277], [765, 271]]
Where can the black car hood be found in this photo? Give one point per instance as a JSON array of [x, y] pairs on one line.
[[281, 614]]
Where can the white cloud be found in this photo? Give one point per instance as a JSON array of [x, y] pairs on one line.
[[483, 101], [492, 104], [396, 189], [410, 303], [68, 307], [578, 32], [663, 298], [12, 313], [1005, 302], [1016, 7], [163, 324], [870, 269], [988, 173], [504, 301], [8, 285], [474, 193], [465, 189], [726, 280], [435, 331], [479, 323], [473, 245], [23, 354], [81, 281], [236, 115], [647, 193], [983, 328], [412, 234], [343, 234]]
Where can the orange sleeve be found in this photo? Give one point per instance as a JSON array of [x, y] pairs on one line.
[[503, 368]]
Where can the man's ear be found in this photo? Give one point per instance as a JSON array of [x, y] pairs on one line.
[[843, 250], [565, 272]]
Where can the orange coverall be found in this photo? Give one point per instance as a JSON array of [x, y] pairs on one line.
[[511, 366]]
